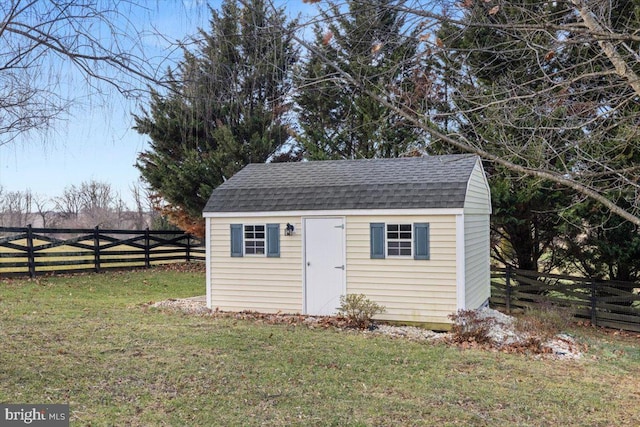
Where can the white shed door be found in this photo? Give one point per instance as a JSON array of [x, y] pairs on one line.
[[324, 264]]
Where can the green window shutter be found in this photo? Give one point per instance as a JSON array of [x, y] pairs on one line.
[[377, 240], [421, 241], [273, 240], [236, 240]]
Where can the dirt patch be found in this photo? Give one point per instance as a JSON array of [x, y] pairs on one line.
[[500, 332]]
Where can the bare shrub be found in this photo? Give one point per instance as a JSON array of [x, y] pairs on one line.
[[359, 310]]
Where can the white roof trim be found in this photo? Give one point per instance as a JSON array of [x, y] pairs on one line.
[[349, 212]]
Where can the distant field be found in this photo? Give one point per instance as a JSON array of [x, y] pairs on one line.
[[93, 341]]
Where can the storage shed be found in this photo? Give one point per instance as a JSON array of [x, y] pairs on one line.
[[411, 234]]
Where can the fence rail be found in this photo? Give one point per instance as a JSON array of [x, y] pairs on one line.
[[605, 303], [32, 251]]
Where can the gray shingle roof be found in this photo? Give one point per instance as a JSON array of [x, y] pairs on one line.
[[403, 183]]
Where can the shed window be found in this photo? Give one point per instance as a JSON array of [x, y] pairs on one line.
[[399, 239], [255, 239]]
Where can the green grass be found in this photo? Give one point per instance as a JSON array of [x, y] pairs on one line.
[[93, 342]]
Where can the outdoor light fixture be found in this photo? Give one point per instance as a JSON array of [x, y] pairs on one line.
[[289, 230]]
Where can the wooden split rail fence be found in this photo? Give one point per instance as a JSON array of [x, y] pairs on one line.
[[604, 303], [32, 251]]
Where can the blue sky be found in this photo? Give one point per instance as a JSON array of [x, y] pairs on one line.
[[96, 142]]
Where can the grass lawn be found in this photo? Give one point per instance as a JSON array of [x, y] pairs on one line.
[[92, 341]]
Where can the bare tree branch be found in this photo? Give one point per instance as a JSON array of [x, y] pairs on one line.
[[43, 42], [621, 66], [571, 116]]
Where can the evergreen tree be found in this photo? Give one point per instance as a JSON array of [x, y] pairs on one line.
[[596, 242], [600, 245], [227, 108], [338, 120], [543, 100], [483, 74], [525, 221]]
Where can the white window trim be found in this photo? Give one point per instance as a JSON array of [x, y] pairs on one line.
[[386, 240], [245, 240]]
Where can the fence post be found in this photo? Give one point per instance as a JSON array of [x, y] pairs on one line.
[[31, 256], [147, 248], [188, 247], [96, 249], [508, 289], [594, 316]]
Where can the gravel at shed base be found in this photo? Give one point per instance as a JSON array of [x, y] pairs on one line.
[[502, 334]]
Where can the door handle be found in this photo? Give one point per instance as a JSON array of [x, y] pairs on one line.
[[341, 267]]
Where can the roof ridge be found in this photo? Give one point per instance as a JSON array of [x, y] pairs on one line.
[[440, 157]]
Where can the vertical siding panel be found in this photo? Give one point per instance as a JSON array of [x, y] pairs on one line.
[[207, 222]]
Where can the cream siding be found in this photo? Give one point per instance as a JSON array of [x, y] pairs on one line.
[[477, 273], [478, 197], [477, 208], [411, 290], [255, 282], [425, 291]]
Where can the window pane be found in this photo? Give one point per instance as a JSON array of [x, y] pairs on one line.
[[399, 239], [254, 239]]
